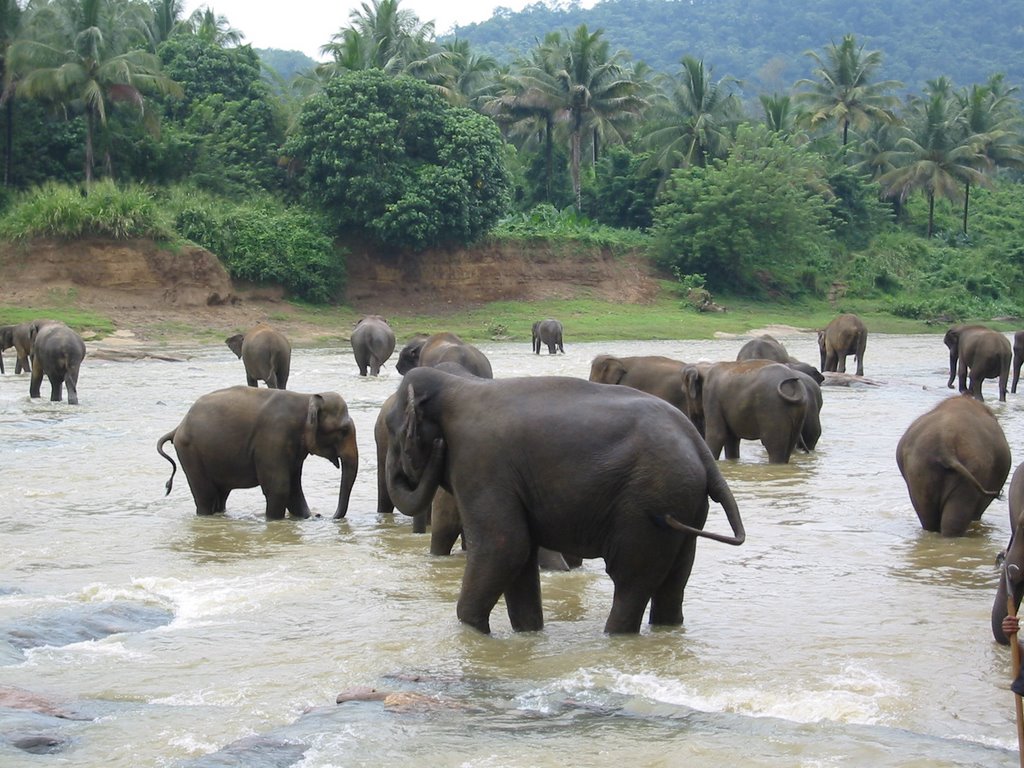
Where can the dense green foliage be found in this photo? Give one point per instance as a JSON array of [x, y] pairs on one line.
[[389, 157], [261, 241], [762, 42]]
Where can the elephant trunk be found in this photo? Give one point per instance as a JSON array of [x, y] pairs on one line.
[[410, 497], [349, 455]]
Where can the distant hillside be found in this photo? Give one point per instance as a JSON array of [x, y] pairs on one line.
[[762, 42], [285, 64]]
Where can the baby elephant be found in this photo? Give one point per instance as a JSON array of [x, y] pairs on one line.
[[954, 459], [548, 332], [266, 355], [57, 352], [242, 437]]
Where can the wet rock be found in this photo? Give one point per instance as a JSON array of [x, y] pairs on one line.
[[38, 743], [253, 752], [79, 623]]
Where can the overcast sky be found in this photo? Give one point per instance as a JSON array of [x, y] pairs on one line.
[[305, 25]]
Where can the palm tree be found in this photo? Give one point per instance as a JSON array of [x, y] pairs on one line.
[[86, 55], [168, 19], [990, 118], [214, 28], [778, 112], [844, 92], [932, 155], [467, 77], [10, 28], [693, 118]]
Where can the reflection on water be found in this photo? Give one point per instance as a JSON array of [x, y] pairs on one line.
[[840, 633]]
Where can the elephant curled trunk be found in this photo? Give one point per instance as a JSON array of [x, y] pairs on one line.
[[349, 455], [413, 497]]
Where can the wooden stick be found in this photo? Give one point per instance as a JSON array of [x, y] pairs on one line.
[[1011, 610]]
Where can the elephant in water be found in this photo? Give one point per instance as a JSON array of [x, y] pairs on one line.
[[767, 347], [443, 348], [954, 459], [557, 462], [980, 352], [266, 355], [749, 400], [549, 333], [653, 374], [57, 353], [372, 341], [845, 335], [242, 437], [1018, 358], [22, 336], [1013, 557], [6, 342]]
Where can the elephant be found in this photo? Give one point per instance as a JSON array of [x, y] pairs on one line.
[[266, 355], [1018, 358], [1012, 556], [954, 460], [548, 332], [653, 374], [980, 351], [22, 336], [241, 437], [570, 465], [57, 352], [845, 335], [440, 348], [749, 400], [6, 342], [373, 341], [767, 347]]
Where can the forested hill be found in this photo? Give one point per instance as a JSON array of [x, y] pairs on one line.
[[762, 42]]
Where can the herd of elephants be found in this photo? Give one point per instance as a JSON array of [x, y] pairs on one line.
[[619, 467]]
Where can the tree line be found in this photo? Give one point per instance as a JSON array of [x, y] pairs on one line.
[[411, 142]]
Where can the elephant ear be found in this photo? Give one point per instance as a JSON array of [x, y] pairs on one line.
[[235, 343], [309, 432]]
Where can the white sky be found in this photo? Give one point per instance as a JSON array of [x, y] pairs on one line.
[[305, 25]]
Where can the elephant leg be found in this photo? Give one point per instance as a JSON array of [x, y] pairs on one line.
[[667, 601], [628, 605], [522, 598], [272, 380], [962, 377], [251, 381], [56, 387], [220, 503], [860, 365], [841, 363], [732, 446], [779, 447], [974, 387], [420, 522], [297, 506], [1003, 376], [958, 510], [491, 567], [716, 437], [1016, 375], [445, 523]]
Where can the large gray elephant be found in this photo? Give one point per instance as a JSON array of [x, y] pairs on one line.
[[6, 342], [548, 332], [266, 354], [373, 341], [57, 353], [1012, 559], [557, 462], [845, 335], [429, 351], [954, 459], [748, 400], [241, 437], [1018, 358], [980, 352], [766, 347], [653, 374], [22, 336]]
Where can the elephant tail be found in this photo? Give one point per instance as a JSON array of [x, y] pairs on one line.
[[792, 391], [169, 437], [960, 469], [720, 492]]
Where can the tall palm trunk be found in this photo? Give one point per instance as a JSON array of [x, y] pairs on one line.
[[89, 121], [549, 157], [931, 212], [577, 130], [9, 143], [967, 201]]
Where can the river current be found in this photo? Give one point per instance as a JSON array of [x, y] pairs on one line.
[[839, 634]]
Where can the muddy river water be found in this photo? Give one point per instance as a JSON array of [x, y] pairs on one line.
[[839, 634]]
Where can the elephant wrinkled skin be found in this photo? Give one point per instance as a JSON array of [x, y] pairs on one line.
[[981, 353], [653, 374], [748, 400], [954, 459], [577, 467], [22, 336], [548, 332], [1013, 556], [1018, 358], [372, 341], [57, 353], [241, 437], [845, 335], [266, 355]]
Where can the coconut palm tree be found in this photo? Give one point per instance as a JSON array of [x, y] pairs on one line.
[[844, 91], [214, 28], [932, 155], [693, 118], [467, 77], [168, 19], [85, 55], [11, 14]]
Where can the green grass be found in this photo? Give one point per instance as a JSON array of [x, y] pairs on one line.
[[81, 320]]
